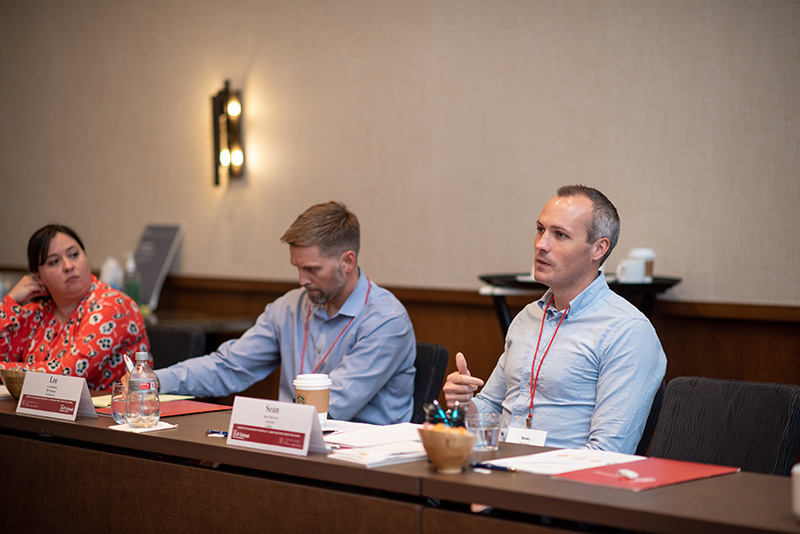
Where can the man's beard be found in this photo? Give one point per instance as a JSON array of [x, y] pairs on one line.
[[324, 297]]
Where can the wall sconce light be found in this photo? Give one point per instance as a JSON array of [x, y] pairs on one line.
[[226, 111]]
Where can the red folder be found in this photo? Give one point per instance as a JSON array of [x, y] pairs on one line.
[[181, 407], [652, 473]]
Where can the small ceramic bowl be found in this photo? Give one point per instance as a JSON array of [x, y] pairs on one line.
[[447, 450], [12, 380]]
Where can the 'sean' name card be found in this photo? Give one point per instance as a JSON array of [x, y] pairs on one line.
[[275, 426]]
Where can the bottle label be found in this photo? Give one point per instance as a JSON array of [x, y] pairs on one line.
[[144, 385]]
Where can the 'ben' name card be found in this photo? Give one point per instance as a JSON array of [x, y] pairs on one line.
[[55, 396], [275, 426]]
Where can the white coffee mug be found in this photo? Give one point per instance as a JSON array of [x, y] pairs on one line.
[[631, 271], [649, 257]]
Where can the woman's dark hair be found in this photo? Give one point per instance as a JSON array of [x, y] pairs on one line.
[[39, 244]]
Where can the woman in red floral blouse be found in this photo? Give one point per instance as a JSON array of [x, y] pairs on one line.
[[63, 320]]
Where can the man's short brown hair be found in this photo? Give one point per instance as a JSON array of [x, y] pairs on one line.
[[330, 226], [605, 219]]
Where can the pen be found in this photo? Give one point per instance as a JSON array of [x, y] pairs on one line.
[[493, 467], [216, 433]]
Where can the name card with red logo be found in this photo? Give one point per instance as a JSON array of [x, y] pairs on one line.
[[275, 426], [55, 396]]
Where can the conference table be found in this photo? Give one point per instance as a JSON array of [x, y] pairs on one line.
[[83, 476]]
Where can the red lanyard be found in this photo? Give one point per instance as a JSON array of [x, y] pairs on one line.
[[305, 332], [533, 363]]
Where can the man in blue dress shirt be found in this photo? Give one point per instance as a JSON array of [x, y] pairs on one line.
[[339, 323], [581, 363]]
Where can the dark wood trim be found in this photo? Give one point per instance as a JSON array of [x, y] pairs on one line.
[[715, 310], [228, 285]]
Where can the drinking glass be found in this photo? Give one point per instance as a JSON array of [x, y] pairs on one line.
[[488, 429], [119, 401]]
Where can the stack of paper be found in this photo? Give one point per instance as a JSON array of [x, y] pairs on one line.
[[392, 453], [375, 445]]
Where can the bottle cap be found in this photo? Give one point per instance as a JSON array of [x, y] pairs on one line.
[[130, 263], [142, 356]]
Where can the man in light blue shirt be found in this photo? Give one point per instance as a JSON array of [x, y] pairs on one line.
[[339, 323], [582, 363]]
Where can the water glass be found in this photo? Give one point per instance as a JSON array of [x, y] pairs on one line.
[[119, 401], [487, 429]]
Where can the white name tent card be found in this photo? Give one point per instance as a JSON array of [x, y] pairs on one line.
[[526, 436], [55, 396], [275, 426]]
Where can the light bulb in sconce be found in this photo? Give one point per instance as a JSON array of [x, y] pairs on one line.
[[236, 157], [225, 158], [234, 107]]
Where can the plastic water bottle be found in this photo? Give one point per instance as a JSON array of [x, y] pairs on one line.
[[144, 409]]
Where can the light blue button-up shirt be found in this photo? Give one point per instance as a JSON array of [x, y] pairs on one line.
[[597, 381], [371, 365]]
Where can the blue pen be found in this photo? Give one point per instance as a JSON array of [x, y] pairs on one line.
[[493, 467], [216, 433]]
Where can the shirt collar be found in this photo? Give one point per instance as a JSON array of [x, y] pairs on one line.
[[583, 301]]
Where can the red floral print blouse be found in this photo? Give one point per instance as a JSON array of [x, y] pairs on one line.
[[105, 325]]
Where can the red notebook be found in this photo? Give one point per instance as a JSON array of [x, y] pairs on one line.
[[181, 407], [652, 473]]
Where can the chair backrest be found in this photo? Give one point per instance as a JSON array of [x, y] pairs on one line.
[[751, 425], [652, 418], [173, 344], [431, 364]]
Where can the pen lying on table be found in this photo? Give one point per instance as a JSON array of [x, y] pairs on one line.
[[493, 467], [216, 433]]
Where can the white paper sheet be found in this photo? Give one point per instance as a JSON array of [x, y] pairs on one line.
[[375, 435], [162, 425], [564, 460]]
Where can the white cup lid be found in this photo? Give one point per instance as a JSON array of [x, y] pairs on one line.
[[312, 381]]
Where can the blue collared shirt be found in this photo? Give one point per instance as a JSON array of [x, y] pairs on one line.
[[597, 381], [371, 365]]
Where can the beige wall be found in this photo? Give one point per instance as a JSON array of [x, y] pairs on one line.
[[445, 125]]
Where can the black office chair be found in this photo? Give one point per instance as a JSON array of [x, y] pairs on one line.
[[751, 425], [173, 344], [431, 364], [652, 418]]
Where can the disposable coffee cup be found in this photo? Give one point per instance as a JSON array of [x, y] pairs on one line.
[[649, 257], [314, 390], [631, 271]]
